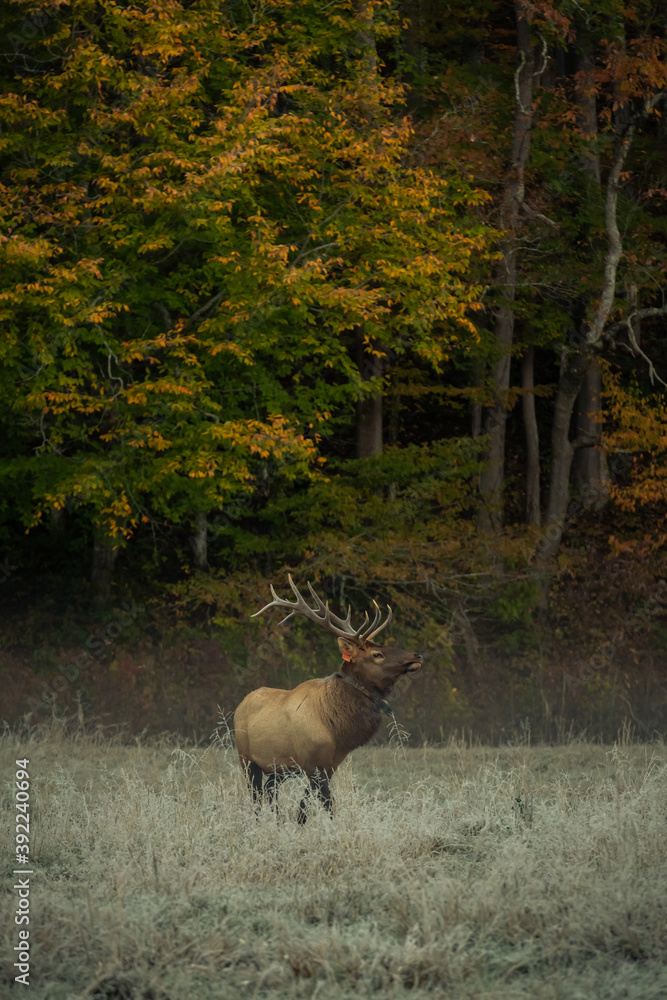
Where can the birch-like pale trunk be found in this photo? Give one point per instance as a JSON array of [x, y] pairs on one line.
[[576, 360]]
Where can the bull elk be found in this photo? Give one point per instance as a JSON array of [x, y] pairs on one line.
[[315, 726]]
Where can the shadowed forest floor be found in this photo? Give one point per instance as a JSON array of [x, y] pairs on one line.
[[454, 872]]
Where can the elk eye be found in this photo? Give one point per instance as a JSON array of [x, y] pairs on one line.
[[378, 656]]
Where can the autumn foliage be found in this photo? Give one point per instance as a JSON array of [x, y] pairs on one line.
[[198, 212], [233, 237]]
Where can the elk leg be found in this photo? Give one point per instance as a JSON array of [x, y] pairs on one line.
[[273, 783], [302, 815], [320, 786], [254, 775]]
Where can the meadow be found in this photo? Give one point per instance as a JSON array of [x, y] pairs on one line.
[[447, 872]]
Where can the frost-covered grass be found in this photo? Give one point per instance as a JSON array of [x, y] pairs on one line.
[[446, 872]]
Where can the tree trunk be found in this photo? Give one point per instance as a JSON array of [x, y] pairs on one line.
[[199, 542], [58, 522], [562, 448], [477, 412], [532, 438], [577, 358], [104, 559], [369, 410], [590, 471], [587, 116], [491, 477]]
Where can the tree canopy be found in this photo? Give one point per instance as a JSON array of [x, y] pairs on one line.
[[202, 204]]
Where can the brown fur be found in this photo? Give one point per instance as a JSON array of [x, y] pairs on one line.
[[317, 724]]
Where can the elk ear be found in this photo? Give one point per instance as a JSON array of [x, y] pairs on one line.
[[347, 649]]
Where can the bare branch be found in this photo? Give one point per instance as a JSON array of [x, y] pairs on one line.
[[517, 85], [636, 349], [647, 313], [544, 54], [615, 251], [203, 310]]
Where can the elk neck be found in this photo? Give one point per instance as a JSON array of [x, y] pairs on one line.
[[350, 711], [374, 697]]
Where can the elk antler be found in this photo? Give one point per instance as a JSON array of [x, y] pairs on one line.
[[323, 616]]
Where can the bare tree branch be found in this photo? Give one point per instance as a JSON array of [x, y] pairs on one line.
[[614, 253], [636, 349], [203, 310]]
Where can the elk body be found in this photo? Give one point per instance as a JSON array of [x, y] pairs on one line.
[[313, 727]]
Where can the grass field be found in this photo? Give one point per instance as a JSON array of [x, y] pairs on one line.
[[520, 872]]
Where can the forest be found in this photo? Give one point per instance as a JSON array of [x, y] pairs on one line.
[[367, 291]]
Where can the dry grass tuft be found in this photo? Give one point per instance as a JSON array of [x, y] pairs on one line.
[[455, 872]]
